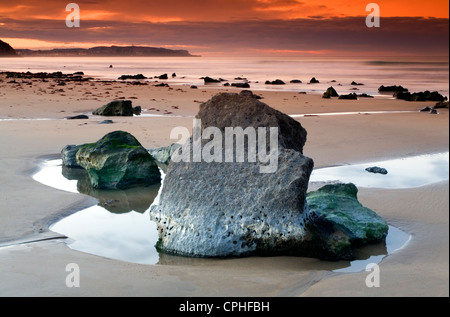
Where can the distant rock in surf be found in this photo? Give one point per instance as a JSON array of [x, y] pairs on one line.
[[420, 96], [351, 96], [331, 92], [275, 82], [391, 89], [138, 76]]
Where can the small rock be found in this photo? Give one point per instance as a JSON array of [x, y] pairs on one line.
[[426, 109], [377, 170], [241, 85], [106, 122], [78, 117]]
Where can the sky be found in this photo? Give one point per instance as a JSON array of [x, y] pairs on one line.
[[233, 27]]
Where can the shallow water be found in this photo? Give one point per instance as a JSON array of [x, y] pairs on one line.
[[408, 172], [414, 73], [120, 226]]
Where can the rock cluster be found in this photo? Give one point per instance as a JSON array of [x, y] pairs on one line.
[[221, 209]]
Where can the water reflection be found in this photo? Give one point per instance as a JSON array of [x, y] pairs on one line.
[[95, 230], [119, 227]]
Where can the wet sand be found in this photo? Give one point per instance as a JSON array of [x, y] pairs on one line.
[[33, 259]]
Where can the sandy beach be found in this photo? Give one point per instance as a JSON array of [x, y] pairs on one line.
[[33, 259]]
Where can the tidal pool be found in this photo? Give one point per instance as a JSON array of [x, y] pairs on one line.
[[408, 172], [119, 227]]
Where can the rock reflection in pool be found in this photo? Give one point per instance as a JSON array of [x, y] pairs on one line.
[[95, 230], [119, 227]]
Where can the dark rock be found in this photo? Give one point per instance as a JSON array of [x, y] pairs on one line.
[[174, 75], [351, 96], [208, 80], [162, 85], [79, 73], [249, 93], [163, 76], [138, 76], [433, 111], [275, 82], [392, 89], [420, 96], [137, 110], [331, 92], [295, 81], [441, 104], [354, 83], [365, 96], [118, 161], [78, 117], [241, 85], [314, 81], [122, 108], [426, 109], [194, 87], [339, 223], [377, 170]]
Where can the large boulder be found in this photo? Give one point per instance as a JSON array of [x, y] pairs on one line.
[[338, 223], [118, 161], [231, 208], [122, 108], [331, 92]]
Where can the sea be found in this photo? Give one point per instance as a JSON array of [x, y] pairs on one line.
[[414, 73]]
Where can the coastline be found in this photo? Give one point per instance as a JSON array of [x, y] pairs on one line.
[[38, 269]]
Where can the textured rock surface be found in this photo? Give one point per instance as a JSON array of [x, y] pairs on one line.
[[164, 154], [233, 110], [118, 161], [68, 155], [116, 108], [338, 222], [223, 209]]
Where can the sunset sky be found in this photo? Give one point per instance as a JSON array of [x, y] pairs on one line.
[[240, 27]]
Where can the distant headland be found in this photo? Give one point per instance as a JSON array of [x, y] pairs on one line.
[[6, 50], [117, 51]]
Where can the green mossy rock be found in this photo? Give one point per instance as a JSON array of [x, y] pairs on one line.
[[118, 161], [338, 222]]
